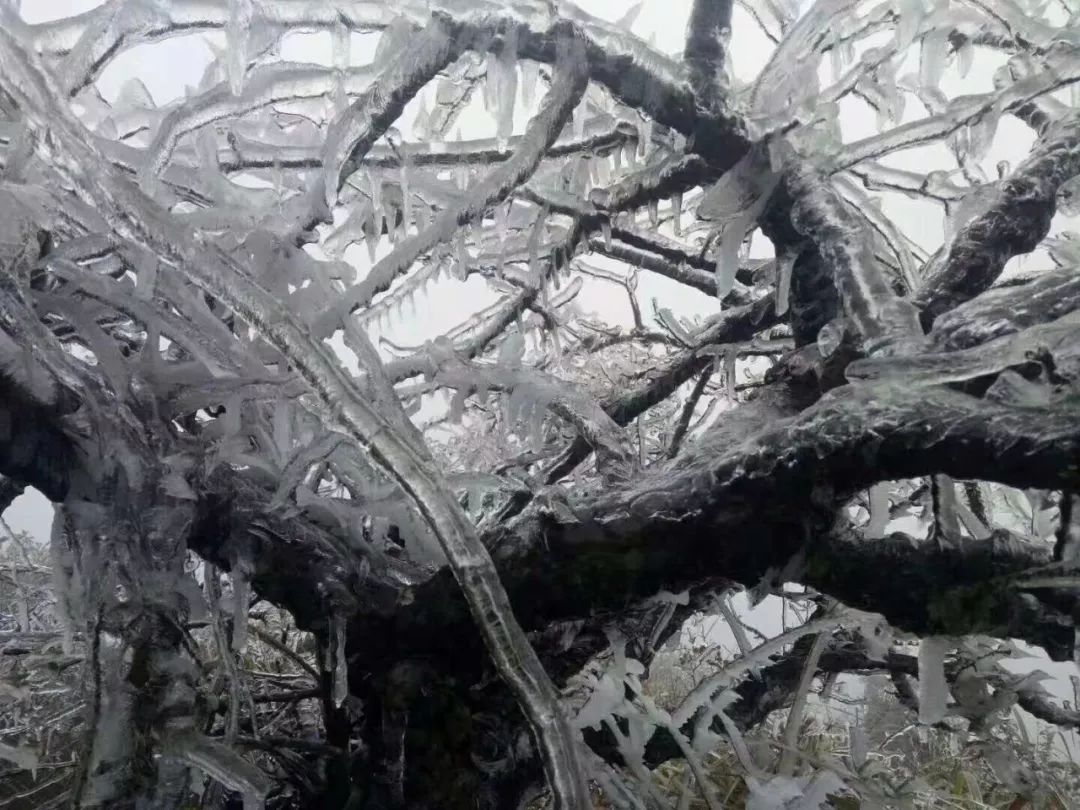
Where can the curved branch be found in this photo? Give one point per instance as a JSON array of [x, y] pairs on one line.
[[137, 217], [1012, 222], [566, 90], [355, 131]]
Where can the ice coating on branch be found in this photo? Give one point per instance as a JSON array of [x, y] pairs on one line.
[[933, 688]]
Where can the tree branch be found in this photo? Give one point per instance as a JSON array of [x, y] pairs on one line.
[[566, 90], [1012, 222], [138, 218]]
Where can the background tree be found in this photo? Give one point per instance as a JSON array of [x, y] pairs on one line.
[[425, 543]]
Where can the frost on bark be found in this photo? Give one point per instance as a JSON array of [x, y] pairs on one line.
[[491, 531]]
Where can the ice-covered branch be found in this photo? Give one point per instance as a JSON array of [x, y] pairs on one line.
[[1012, 221], [640, 76], [691, 276], [670, 175], [137, 218], [1005, 310], [960, 112], [615, 458], [566, 90], [600, 137], [264, 86], [880, 316], [708, 30], [733, 326], [354, 132], [852, 437], [1056, 343]]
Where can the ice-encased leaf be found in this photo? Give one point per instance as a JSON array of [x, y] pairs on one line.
[[23, 756], [626, 21], [932, 56], [512, 350], [133, 93], [933, 688], [607, 696], [734, 203]]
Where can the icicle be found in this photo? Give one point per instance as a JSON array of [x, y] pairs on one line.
[[603, 170], [502, 215], [727, 262], [340, 45], [654, 213], [241, 593], [784, 266], [933, 688], [534, 245], [965, 55], [645, 127], [578, 118], [502, 74], [676, 212], [879, 511], [530, 74], [461, 257], [406, 194], [729, 373], [605, 229], [371, 236], [617, 157], [146, 276], [375, 182], [236, 35], [341, 663]]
